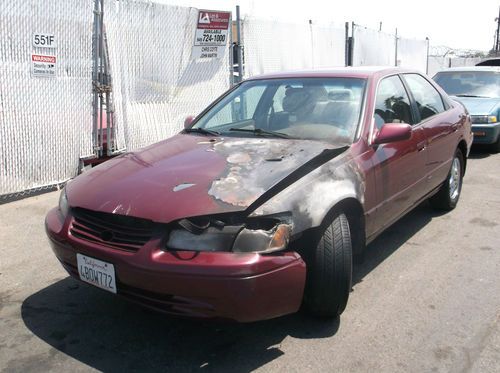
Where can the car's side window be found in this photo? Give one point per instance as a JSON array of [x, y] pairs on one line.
[[392, 104], [429, 101]]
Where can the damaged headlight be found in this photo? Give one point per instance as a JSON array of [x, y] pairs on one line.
[[261, 236], [262, 241], [63, 204]]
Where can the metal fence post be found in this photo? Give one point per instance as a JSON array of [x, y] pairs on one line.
[[95, 95], [351, 45], [100, 77], [346, 47], [103, 108], [427, 60], [231, 52], [396, 48], [312, 41], [240, 44]]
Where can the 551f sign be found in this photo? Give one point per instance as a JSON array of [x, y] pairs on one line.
[[44, 40]]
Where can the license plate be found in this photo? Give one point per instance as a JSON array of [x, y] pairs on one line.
[[96, 272], [479, 134]]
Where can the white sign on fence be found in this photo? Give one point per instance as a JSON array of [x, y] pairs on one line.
[[44, 40], [43, 66], [211, 34]]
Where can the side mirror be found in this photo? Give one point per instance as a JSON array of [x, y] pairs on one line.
[[392, 132], [188, 122]]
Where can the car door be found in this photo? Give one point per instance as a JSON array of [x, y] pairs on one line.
[[399, 166], [436, 126]]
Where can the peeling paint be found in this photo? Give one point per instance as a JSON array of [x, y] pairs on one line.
[[252, 168], [183, 186]]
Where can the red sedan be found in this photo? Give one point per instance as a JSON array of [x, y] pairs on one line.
[[262, 201]]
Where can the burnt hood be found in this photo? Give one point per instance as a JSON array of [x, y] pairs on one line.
[[192, 175]]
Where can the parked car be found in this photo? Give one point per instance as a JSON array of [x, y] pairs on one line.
[[478, 88], [262, 201]]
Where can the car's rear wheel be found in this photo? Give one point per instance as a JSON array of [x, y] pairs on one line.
[[330, 270], [448, 195]]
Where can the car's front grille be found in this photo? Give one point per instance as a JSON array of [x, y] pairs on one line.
[[115, 231]]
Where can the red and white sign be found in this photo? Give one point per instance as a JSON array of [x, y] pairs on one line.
[[43, 66], [212, 33]]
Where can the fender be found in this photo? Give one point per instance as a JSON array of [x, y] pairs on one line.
[[312, 197]]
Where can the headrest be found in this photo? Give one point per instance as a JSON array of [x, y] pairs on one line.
[[295, 98], [340, 95]]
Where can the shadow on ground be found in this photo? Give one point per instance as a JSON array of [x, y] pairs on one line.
[[110, 334], [480, 151]]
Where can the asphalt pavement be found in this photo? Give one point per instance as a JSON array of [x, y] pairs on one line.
[[426, 299]]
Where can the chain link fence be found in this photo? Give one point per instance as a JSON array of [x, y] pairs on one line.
[[373, 47], [412, 53], [272, 45], [437, 63], [44, 120], [378, 48], [156, 84]]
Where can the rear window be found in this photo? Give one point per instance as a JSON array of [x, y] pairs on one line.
[[470, 83]]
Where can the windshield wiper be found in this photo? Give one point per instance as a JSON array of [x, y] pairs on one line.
[[465, 95], [260, 131], [203, 131]]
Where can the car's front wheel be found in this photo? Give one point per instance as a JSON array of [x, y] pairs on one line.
[[495, 147], [330, 270], [448, 195]]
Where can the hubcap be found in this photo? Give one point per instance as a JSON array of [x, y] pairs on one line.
[[454, 181]]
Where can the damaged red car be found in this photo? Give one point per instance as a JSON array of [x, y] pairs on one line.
[[261, 203]]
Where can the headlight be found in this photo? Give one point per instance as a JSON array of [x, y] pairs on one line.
[[63, 203], [263, 241], [266, 235], [483, 119]]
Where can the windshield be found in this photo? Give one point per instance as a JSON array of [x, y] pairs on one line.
[[470, 83], [309, 108]]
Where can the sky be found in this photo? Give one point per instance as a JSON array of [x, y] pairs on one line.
[[455, 24]]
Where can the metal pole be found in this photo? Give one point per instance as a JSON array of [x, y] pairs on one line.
[[312, 42], [110, 124], [231, 52], [95, 98], [240, 44], [107, 84], [351, 46], [427, 60], [498, 31], [346, 57], [396, 49], [101, 71]]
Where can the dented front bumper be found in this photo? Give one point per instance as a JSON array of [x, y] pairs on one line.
[[239, 286]]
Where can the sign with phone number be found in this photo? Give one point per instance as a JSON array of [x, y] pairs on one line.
[[211, 34]]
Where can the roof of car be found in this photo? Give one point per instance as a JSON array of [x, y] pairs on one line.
[[354, 72], [471, 68]]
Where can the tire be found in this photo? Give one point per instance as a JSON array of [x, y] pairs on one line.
[[495, 147], [448, 195], [330, 273]]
